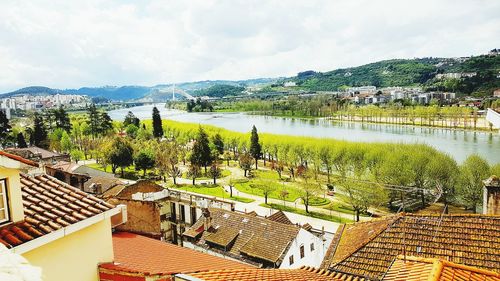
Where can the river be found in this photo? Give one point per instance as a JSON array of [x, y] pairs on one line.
[[457, 143]]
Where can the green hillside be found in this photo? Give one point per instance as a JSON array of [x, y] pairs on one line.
[[409, 72]]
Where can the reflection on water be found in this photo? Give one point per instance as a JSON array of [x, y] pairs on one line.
[[457, 143]]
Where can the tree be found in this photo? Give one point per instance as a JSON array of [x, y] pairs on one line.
[[21, 142], [227, 156], [255, 147], [130, 119], [218, 143], [131, 130], [39, 136], [66, 143], [266, 188], [99, 122], [144, 160], [120, 154], [307, 192], [4, 126], [76, 155], [472, 173], [283, 195], [361, 196], [194, 172], [201, 154], [246, 162], [157, 124], [61, 119], [215, 172]]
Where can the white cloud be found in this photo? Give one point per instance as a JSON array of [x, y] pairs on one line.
[[91, 43]]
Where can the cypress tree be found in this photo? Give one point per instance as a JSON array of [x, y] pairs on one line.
[[255, 148], [4, 126], [157, 128], [21, 142], [201, 154], [39, 137]]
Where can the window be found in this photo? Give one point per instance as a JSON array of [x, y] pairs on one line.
[[291, 259], [312, 247], [302, 251], [4, 207]]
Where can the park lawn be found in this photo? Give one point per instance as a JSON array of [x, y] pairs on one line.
[[224, 173], [303, 212], [212, 190], [318, 201], [128, 173], [266, 175], [247, 187], [341, 208]]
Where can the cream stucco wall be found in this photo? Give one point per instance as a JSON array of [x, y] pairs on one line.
[[76, 256], [14, 192]]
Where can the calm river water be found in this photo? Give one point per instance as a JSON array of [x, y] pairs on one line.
[[457, 143]]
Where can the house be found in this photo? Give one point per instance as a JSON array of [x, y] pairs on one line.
[[64, 171], [43, 156], [53, 225], [255, 240], [368, 249], [141, 258], [158, 212]]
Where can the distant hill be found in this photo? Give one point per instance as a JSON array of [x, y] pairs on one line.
[[33, 90], [408, 72], [112, 93]]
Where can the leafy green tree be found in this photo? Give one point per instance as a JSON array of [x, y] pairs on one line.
[[66, 143], [4, 127], [130, 119], [120, 154], [61, 119], [76, 155], [215, 172], [157, 123], [201, 154], [21, 142], [246, 162], [99, 122], [39, 136], [144, 160], [473, 172], [307, 192], [218, 143], [131, 130], [194, 172], [255, 147], [265, 187], [361, 196], [495, 170]]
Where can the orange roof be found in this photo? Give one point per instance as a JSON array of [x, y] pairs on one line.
[[19, 158], [139, 254], [253, 274], [49, 205], [416, 269]]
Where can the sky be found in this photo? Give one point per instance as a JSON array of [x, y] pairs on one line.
[[70, 44]]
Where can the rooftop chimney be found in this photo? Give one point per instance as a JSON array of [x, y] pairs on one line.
[[208, 219], [491, 196]]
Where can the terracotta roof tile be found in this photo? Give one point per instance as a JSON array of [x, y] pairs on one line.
[[279, 216], [303, 274], [249, 235], [368, 249], [422, 269], [18, 158], [45, 211], [136, 253]]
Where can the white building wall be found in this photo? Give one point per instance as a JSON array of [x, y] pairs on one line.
[[311, 258]]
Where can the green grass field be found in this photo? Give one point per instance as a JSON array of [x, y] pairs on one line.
[[224, 173], [212, 190], [303, 212]]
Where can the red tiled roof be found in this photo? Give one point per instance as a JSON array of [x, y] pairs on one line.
[[369, 249], [49, 205], [303, 274], [139, 254], [19, 158], [279, 216], [417, 269]]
